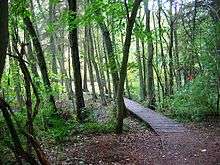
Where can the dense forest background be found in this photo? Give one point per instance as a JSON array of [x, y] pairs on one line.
[[164, 54]]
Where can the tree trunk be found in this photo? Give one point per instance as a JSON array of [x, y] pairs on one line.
[[73, 37], [13, 64], [85, 66], [144, 70], [150, 73], [166, 86], [98, 77], [63, 70], [91, 77], [171, 50], [123, 69], [156, 63], [99, 55], [112, 63], [70, 80], [107, 72], [140, 69], [3, 34], [41, 60], [176, 48], [52, 38]]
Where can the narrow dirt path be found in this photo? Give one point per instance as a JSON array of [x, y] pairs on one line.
[[141, 148], [198, 144]]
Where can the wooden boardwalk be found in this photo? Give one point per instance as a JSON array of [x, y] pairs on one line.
[[158, 122]]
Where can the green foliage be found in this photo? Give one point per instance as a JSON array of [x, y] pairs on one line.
[[55, 128], [91, 125], [195, 102], [96, 127]]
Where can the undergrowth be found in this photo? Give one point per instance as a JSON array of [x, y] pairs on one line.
[[54, 128], [196, 101]]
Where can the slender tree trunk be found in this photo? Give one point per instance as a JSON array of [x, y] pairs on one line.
[[52, 38], [91, 77], [140, 69], [112, 63], [176, 45], [150, 73], [18, 149], [63, 70], [127, 87], [41, 60], [107, 71], [31, 58], [85, 61], [73, 36], [27, 82], [100, 60], [123, 69], [171, 50], [144, 70], [164, 66], [98, 77], [156, 63], [70, 80], [3, 34], [13, 64]]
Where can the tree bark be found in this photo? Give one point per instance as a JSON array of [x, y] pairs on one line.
[[150, 73], [90, 69], [176, 48], [144, 70], [107, 72], [123, 69], [85, 66], [112, 63], [73, 37], [52, 38], [3, 34], [41, 60], [166, 86], [18, 149], [171, 82], [140, 69], [98, 77]]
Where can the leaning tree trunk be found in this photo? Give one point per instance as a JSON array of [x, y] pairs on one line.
[[41, 59], [73, 37], [111, 57], [123, 69]]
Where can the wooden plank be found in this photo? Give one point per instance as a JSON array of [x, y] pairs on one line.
[[158, 122]]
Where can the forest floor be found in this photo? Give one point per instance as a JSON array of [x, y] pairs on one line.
[[139, 145]]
